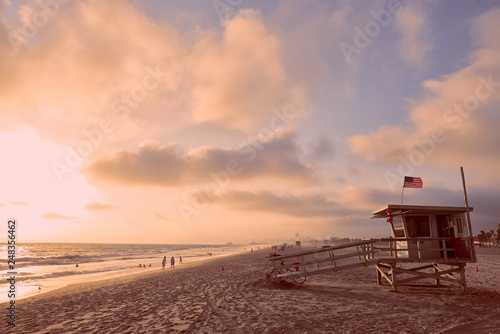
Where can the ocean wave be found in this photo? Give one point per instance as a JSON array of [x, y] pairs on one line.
[[18, 259], [70, 259], [67, 259], [59, 274]]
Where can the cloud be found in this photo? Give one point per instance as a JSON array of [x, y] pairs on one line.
[[75, 66], [93, 62], [161, 216], [159, 164], [322, 148], [98, 206], [312, 33], [239, 78], [306, 204], [414, 27], [19, 203], [455, 121], [485, 204], [53, 215]]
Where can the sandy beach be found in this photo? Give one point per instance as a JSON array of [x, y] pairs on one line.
[[203, 298]]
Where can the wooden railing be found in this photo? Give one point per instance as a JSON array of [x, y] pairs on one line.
[[428, 249]]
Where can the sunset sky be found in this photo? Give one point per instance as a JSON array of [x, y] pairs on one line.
[[237, 120]]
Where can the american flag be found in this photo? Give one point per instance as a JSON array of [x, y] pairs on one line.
[[413, 182]]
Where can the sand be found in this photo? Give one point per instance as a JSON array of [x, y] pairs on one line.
[[204, 299]]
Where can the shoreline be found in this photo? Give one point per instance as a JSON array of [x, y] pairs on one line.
[[116, 277]]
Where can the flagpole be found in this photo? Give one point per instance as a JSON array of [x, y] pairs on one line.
[[468, 214], [402, 193]]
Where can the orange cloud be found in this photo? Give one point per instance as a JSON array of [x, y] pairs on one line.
[[105, 61], [19, 203], [65, 78], [98, 206], [54, 215], [239, 77], [161, 216]]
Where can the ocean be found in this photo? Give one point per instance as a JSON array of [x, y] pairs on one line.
[[42, 267]]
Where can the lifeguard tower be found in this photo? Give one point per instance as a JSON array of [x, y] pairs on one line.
[[428, 242], [424, 239], [439, 235], [297, 240]]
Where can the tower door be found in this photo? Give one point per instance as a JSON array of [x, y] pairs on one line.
[[446, 230], [445, 226]]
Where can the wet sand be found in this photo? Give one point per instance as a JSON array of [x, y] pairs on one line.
[[203, 298]]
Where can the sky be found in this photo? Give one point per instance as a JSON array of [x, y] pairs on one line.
[[236, 120]]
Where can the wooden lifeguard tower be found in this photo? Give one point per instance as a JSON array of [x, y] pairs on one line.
[[437, 235], [424, 240]]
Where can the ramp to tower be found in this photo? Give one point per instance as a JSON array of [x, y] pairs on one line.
[[298, 266]]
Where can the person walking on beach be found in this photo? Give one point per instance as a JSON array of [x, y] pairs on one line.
[[172, 263], [163, 262], [180, 259]]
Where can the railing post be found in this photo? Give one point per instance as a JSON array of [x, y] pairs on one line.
[[436, 270], [463, 282], [445, 250], [364, 255], [394, 278]]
